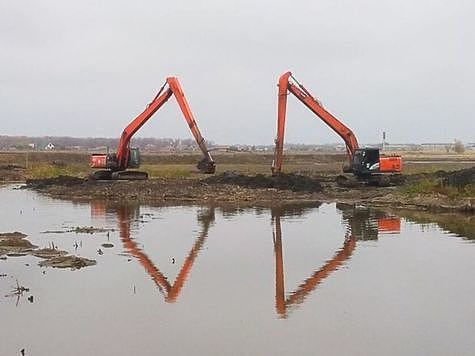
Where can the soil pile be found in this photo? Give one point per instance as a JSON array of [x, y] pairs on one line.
[[73, 262], [461, 178], [293, 182], [14, 243]]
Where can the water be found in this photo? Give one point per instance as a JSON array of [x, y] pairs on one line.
[[316, 279]]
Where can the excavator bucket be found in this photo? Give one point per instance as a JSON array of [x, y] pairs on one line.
[[206, 167]]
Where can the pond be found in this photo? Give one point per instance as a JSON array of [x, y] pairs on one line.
[[326, 279]]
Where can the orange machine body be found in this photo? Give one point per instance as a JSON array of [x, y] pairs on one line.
[[389, 225], [98, 160], [390, 164]]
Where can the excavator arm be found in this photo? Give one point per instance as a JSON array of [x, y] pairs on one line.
[[297, 89], [123, 149], [171, 87]]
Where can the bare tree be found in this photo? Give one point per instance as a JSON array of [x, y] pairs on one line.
[[459, 147]]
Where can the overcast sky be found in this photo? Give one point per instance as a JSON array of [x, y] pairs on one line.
[[87, 68]]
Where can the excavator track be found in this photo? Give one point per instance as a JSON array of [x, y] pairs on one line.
[[121, 175], [101, 175], [129, 175], [351, 181]]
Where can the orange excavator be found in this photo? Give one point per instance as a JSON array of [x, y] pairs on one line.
[[115, 165], [367, 165]]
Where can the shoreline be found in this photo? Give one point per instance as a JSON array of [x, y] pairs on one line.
[[191, 191]]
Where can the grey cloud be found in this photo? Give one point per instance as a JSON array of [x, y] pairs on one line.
[[87, 68]]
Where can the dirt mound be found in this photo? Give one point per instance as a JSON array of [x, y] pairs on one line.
[[14, 243], [60, 180], [73, 262], [11, 172], [283, 181], [460, 178]]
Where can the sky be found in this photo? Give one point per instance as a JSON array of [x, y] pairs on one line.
[[87, 68]]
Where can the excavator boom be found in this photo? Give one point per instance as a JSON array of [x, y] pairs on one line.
[[301, 93], [123, 147]]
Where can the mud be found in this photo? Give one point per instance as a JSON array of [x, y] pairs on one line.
[[62, 181], [14, 244], [460, 178], [257, 190], [48, 253], [79, 230], [73, 262], [283, 181], [172, 191]]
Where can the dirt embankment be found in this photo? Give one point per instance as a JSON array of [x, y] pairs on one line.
[[261, 190], [225, 188]]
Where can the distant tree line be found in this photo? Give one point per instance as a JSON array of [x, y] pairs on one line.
[[88, 143]]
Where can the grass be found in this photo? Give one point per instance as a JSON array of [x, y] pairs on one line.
[[45, 170], [181, 165], [427, 186], [167, 171]]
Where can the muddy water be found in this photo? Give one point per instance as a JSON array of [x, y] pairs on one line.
[[317, 279]]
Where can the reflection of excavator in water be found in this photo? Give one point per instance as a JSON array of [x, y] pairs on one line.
[[366, 223], [366, 164], [385, 224], [125, 216], [115, 165]]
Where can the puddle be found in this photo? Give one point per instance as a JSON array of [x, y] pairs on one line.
[[301, 279]]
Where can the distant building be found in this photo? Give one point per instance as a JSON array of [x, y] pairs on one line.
[[49, 147]]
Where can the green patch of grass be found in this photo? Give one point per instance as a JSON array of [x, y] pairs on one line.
[[43, 170], [427, 186]]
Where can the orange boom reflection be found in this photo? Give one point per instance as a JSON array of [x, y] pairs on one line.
[[372, 222], [125, 215]]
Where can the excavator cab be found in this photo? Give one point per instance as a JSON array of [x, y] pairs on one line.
[[134, 158], [365, 161]]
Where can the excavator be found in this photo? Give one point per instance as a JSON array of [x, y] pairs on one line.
[[115, 165], [366, 165]]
